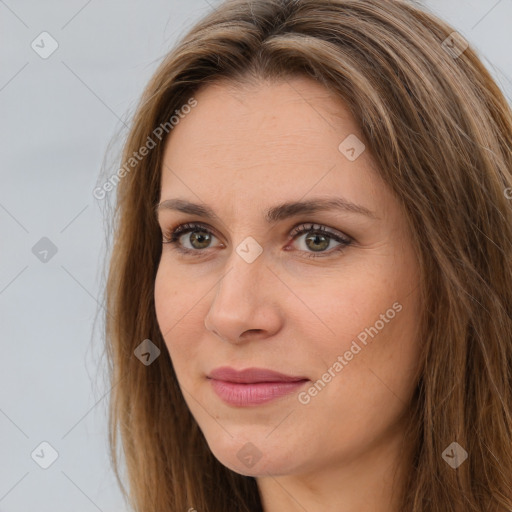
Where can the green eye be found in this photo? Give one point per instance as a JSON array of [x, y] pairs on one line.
[[316, 241]]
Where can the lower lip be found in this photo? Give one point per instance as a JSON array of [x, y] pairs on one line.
[[245, 395]]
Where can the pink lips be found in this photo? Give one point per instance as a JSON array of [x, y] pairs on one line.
[[252, 386]]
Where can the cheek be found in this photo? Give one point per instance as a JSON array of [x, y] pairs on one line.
[[375, 356], [369, 316], [165, 298], [175, 294], [361, 389], [179, 307], [341, 304], [171, 303]]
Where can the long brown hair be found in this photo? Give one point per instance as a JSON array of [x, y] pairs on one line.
[[440, 131]]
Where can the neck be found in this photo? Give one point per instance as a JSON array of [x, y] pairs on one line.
[[371, 481]]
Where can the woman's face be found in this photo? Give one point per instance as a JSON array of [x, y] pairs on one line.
[[335, 307]]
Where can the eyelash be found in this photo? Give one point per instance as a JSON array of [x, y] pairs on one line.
[[172, 237]]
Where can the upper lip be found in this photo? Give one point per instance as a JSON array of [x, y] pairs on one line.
[[251, 375]]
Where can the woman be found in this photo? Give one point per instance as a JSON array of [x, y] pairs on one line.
[[310, 293]]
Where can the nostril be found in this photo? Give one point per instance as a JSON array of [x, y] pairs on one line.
[[250, 332]]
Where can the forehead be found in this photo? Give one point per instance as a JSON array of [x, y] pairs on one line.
[[276, 140]]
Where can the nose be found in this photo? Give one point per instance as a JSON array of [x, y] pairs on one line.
[[246, 305]]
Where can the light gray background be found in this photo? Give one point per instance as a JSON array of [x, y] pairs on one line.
[[58, 116]]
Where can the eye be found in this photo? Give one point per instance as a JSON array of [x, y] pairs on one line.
[[317, 239], [199, 236]]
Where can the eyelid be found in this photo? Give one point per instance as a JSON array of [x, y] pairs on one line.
[[301, 228], [296, 229], [184, 227]]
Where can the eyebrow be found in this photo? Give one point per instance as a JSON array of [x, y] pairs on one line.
[[273, 214]]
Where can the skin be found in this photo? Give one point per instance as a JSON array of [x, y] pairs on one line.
[[241, 150]]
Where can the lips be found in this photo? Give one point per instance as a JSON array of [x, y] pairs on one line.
[[252, 386], [251, 375]]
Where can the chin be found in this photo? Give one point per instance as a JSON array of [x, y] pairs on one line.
[[260, 457]]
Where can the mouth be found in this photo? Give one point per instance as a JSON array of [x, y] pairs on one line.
[[252, 386], [252, 375]]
